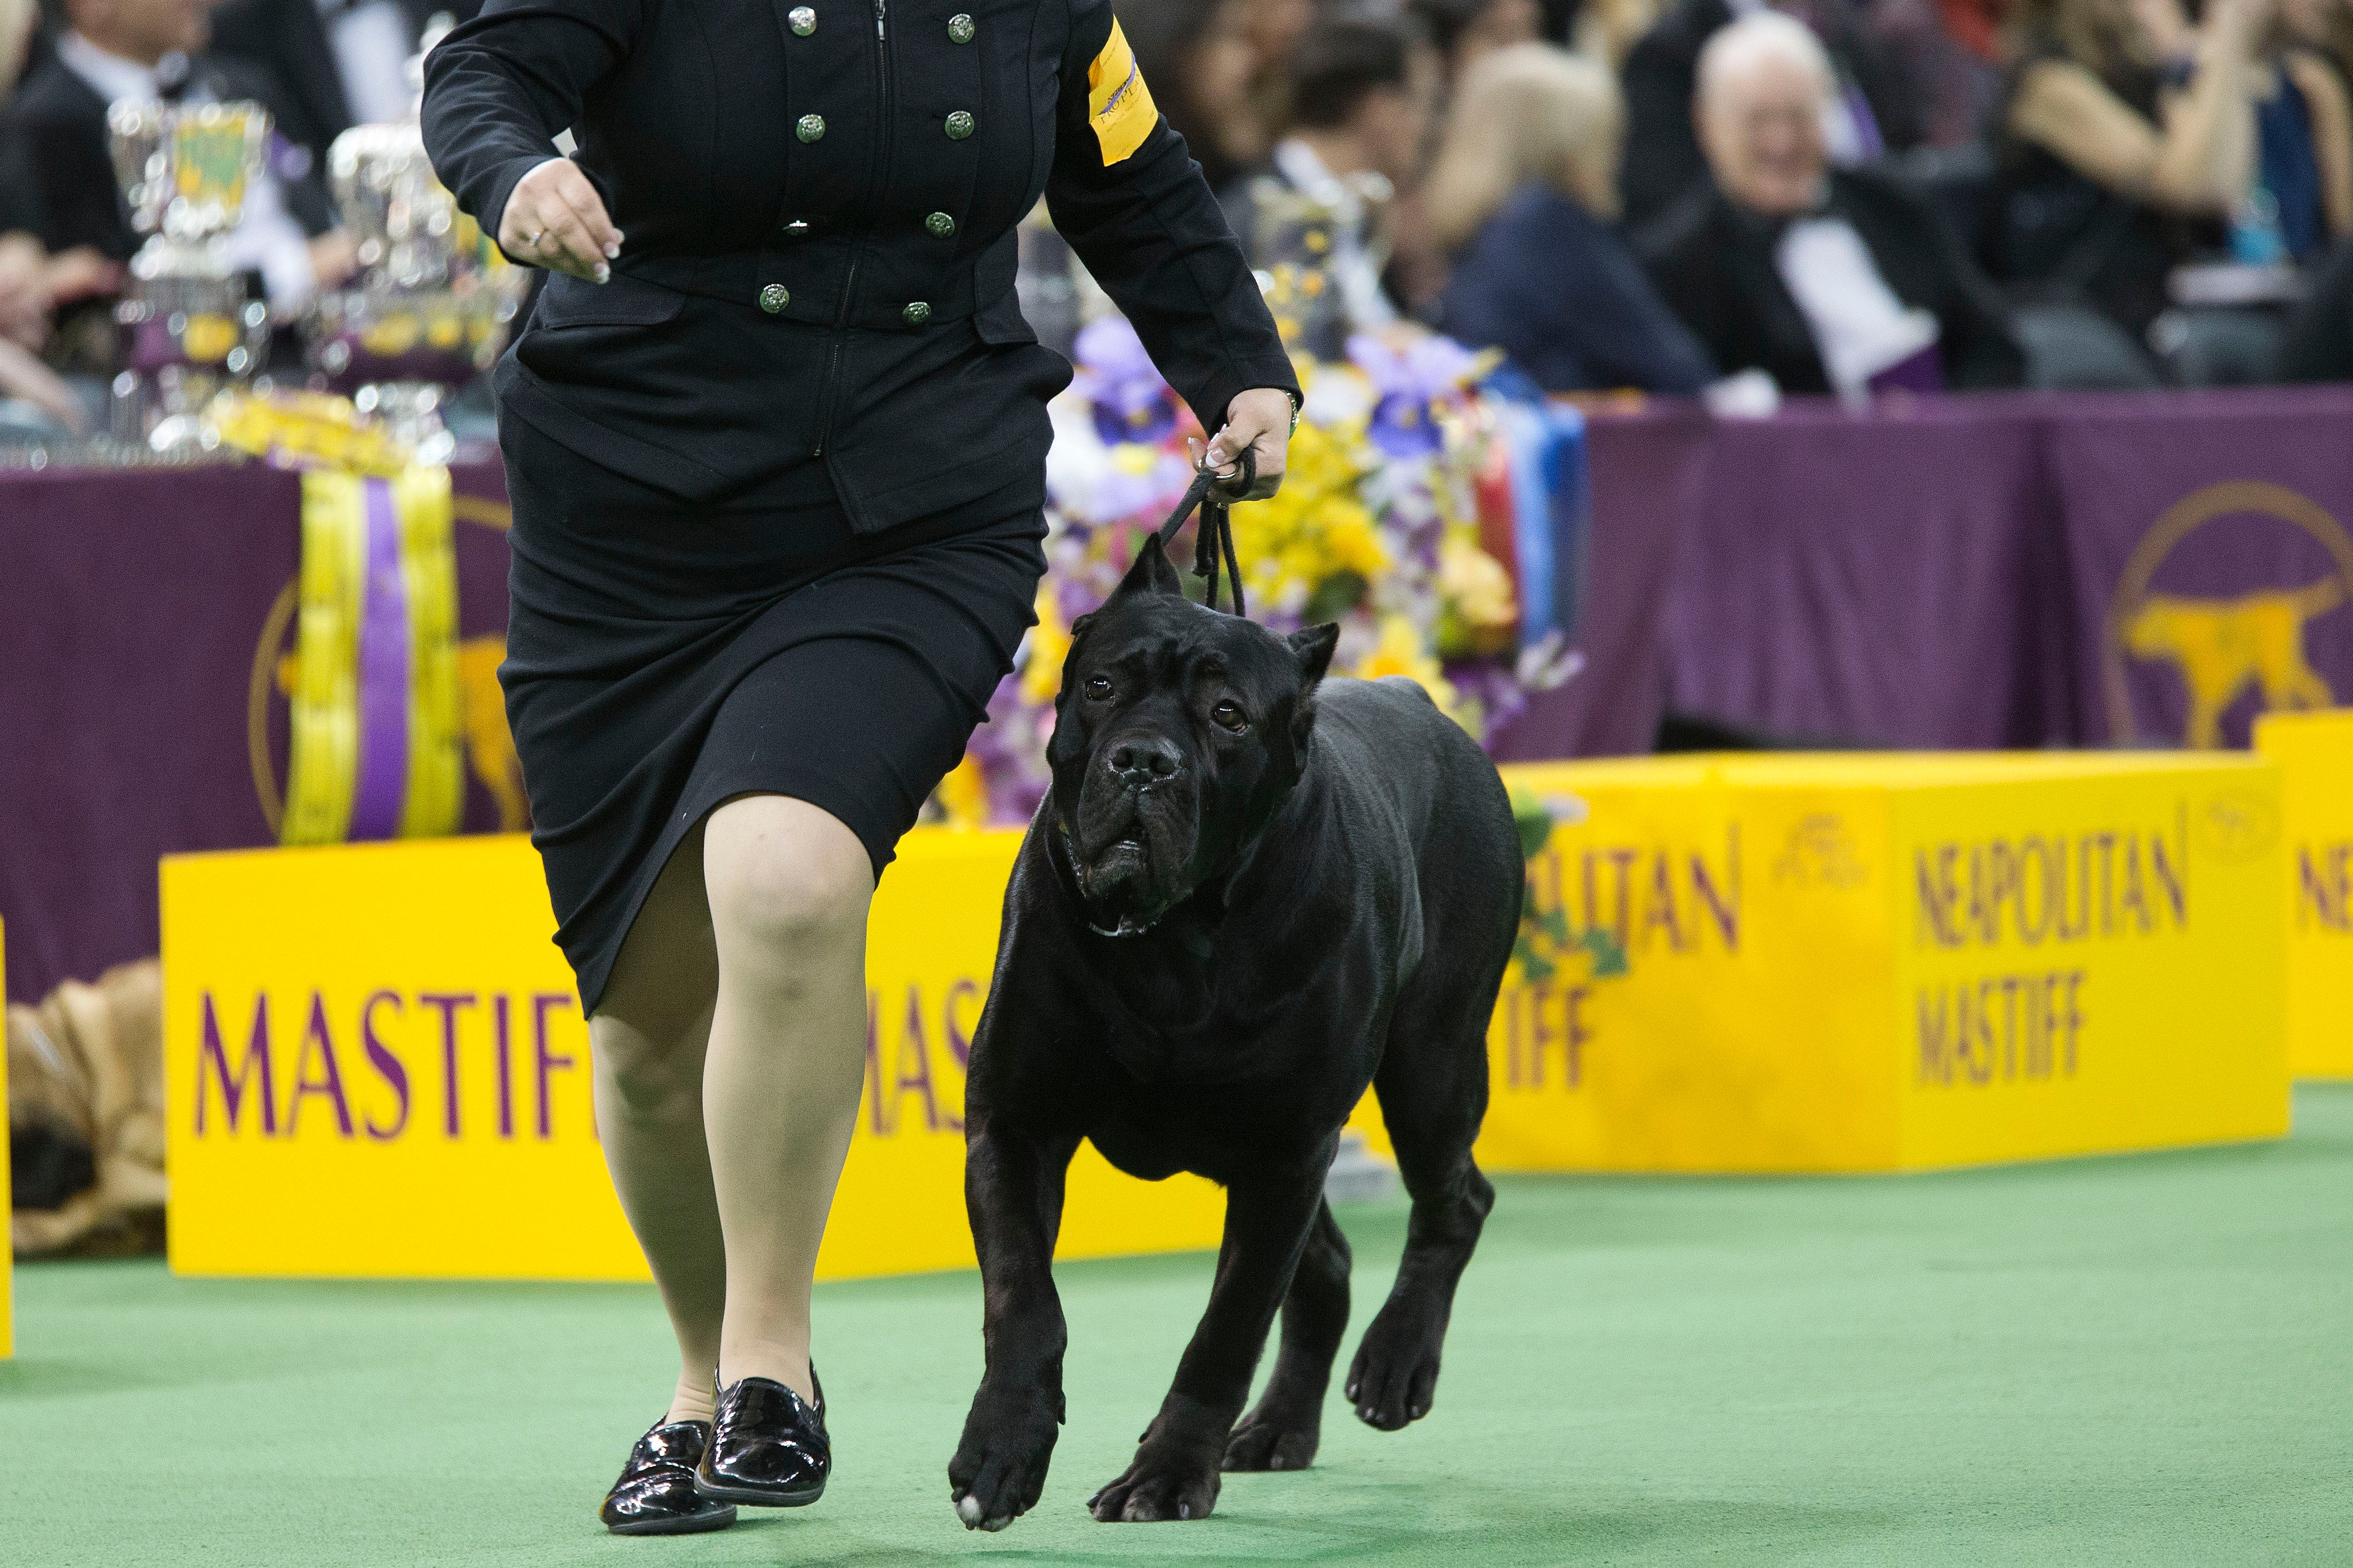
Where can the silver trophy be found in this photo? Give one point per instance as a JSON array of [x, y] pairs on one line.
[[186, 326], [435, 300]]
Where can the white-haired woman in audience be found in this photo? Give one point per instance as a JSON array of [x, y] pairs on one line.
[[1522, 194]]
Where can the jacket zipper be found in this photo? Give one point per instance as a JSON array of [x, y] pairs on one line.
[[849, 278]]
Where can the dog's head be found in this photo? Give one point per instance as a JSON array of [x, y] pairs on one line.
[[1178, 734]]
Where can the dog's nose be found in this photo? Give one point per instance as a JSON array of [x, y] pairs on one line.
[[1144, 761]]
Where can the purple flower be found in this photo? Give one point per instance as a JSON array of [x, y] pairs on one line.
[[1129, 400], [1406, 383]]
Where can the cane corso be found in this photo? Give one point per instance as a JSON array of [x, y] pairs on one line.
[[1252, 891]]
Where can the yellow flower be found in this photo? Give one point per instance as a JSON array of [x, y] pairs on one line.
[[1314, 529], [964, 795], [1479, 609], [1049, 644], [1401, 651]]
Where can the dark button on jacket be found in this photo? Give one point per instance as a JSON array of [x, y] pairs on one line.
[[817, 276]]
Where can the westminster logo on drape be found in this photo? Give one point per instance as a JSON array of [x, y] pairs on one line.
[[2229, 594]]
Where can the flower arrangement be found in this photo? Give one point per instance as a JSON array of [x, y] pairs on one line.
[[1407, 479]]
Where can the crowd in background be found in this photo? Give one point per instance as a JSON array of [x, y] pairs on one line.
[[1838, 195], [1732, 198]]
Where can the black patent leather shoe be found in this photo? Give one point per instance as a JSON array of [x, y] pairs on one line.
[[768, 1447], [656, 1495]]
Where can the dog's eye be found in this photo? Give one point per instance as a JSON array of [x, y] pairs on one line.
[[1230, 716], [1098, 687]]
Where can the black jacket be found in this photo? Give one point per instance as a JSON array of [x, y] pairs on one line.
[[62, 122], [287, 41], [816, 287], [1713, 266], [1663, 160], [22, 209]]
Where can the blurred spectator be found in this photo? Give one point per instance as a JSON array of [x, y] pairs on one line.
[[1607, 30], [1871, 108], [1522, 192], [1361, 96], [149, 50], [2327, 25], [1958, 82], [2317, 341], [332, 64], [32, 281], [2304, 132], [1465, 31], [1826, 279], [2124, 143], [1209, 72]]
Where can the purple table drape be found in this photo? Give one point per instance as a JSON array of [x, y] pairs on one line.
[[140, 708], [1991, 572], [1961, 573], [2210, 543]]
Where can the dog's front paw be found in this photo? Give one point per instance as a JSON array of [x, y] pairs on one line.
[[1167, 1480], [1395, 1375], [999, 1469], [1275, 1437]]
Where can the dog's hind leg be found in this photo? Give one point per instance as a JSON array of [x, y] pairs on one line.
[[1433, 1094], [1282, 1431]]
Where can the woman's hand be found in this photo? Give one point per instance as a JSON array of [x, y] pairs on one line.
[[554, 218], [1258, 421]]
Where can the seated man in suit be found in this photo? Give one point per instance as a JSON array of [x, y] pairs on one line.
[[1828, 279], [148, 49], [334, 63], [1872, 108]]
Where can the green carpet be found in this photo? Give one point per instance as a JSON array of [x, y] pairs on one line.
[[2126, 1360]]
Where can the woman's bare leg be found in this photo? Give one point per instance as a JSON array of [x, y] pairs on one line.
[[788, 886], [648, 1040]]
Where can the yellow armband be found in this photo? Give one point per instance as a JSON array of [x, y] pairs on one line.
[[1118, 106]]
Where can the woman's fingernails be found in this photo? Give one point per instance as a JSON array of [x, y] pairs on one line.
[[604, 273], [612, 249]]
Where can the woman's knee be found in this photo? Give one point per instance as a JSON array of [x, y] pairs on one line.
[[649, 1080], [785, 875]]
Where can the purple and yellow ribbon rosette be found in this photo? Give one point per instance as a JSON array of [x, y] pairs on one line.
[[378, 734]]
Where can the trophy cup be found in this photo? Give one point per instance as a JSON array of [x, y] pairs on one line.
[[435, 300], [187, 327]]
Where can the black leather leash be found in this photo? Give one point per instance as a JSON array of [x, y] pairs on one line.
[[1215, 496]]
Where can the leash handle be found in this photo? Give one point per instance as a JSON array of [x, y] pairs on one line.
[[1215, 495]]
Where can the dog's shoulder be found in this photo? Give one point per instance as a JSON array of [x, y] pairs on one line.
[[1385, 739], [1390, 724]]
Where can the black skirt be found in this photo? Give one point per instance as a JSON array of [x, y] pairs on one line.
[[663, 659]]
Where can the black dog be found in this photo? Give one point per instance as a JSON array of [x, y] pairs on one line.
[[1252, 892]]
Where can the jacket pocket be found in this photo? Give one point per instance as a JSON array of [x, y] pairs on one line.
[[625, 302], [1000, 321]]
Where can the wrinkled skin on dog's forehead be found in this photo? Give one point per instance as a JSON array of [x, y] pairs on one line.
[[1178, 734]]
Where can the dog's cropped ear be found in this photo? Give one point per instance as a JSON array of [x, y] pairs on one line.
[[1153, 571], [1313, 646]]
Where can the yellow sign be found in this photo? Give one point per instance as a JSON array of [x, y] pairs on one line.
[[1119, 105], [377, 1066], [1845, 963], [2315, 751]]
